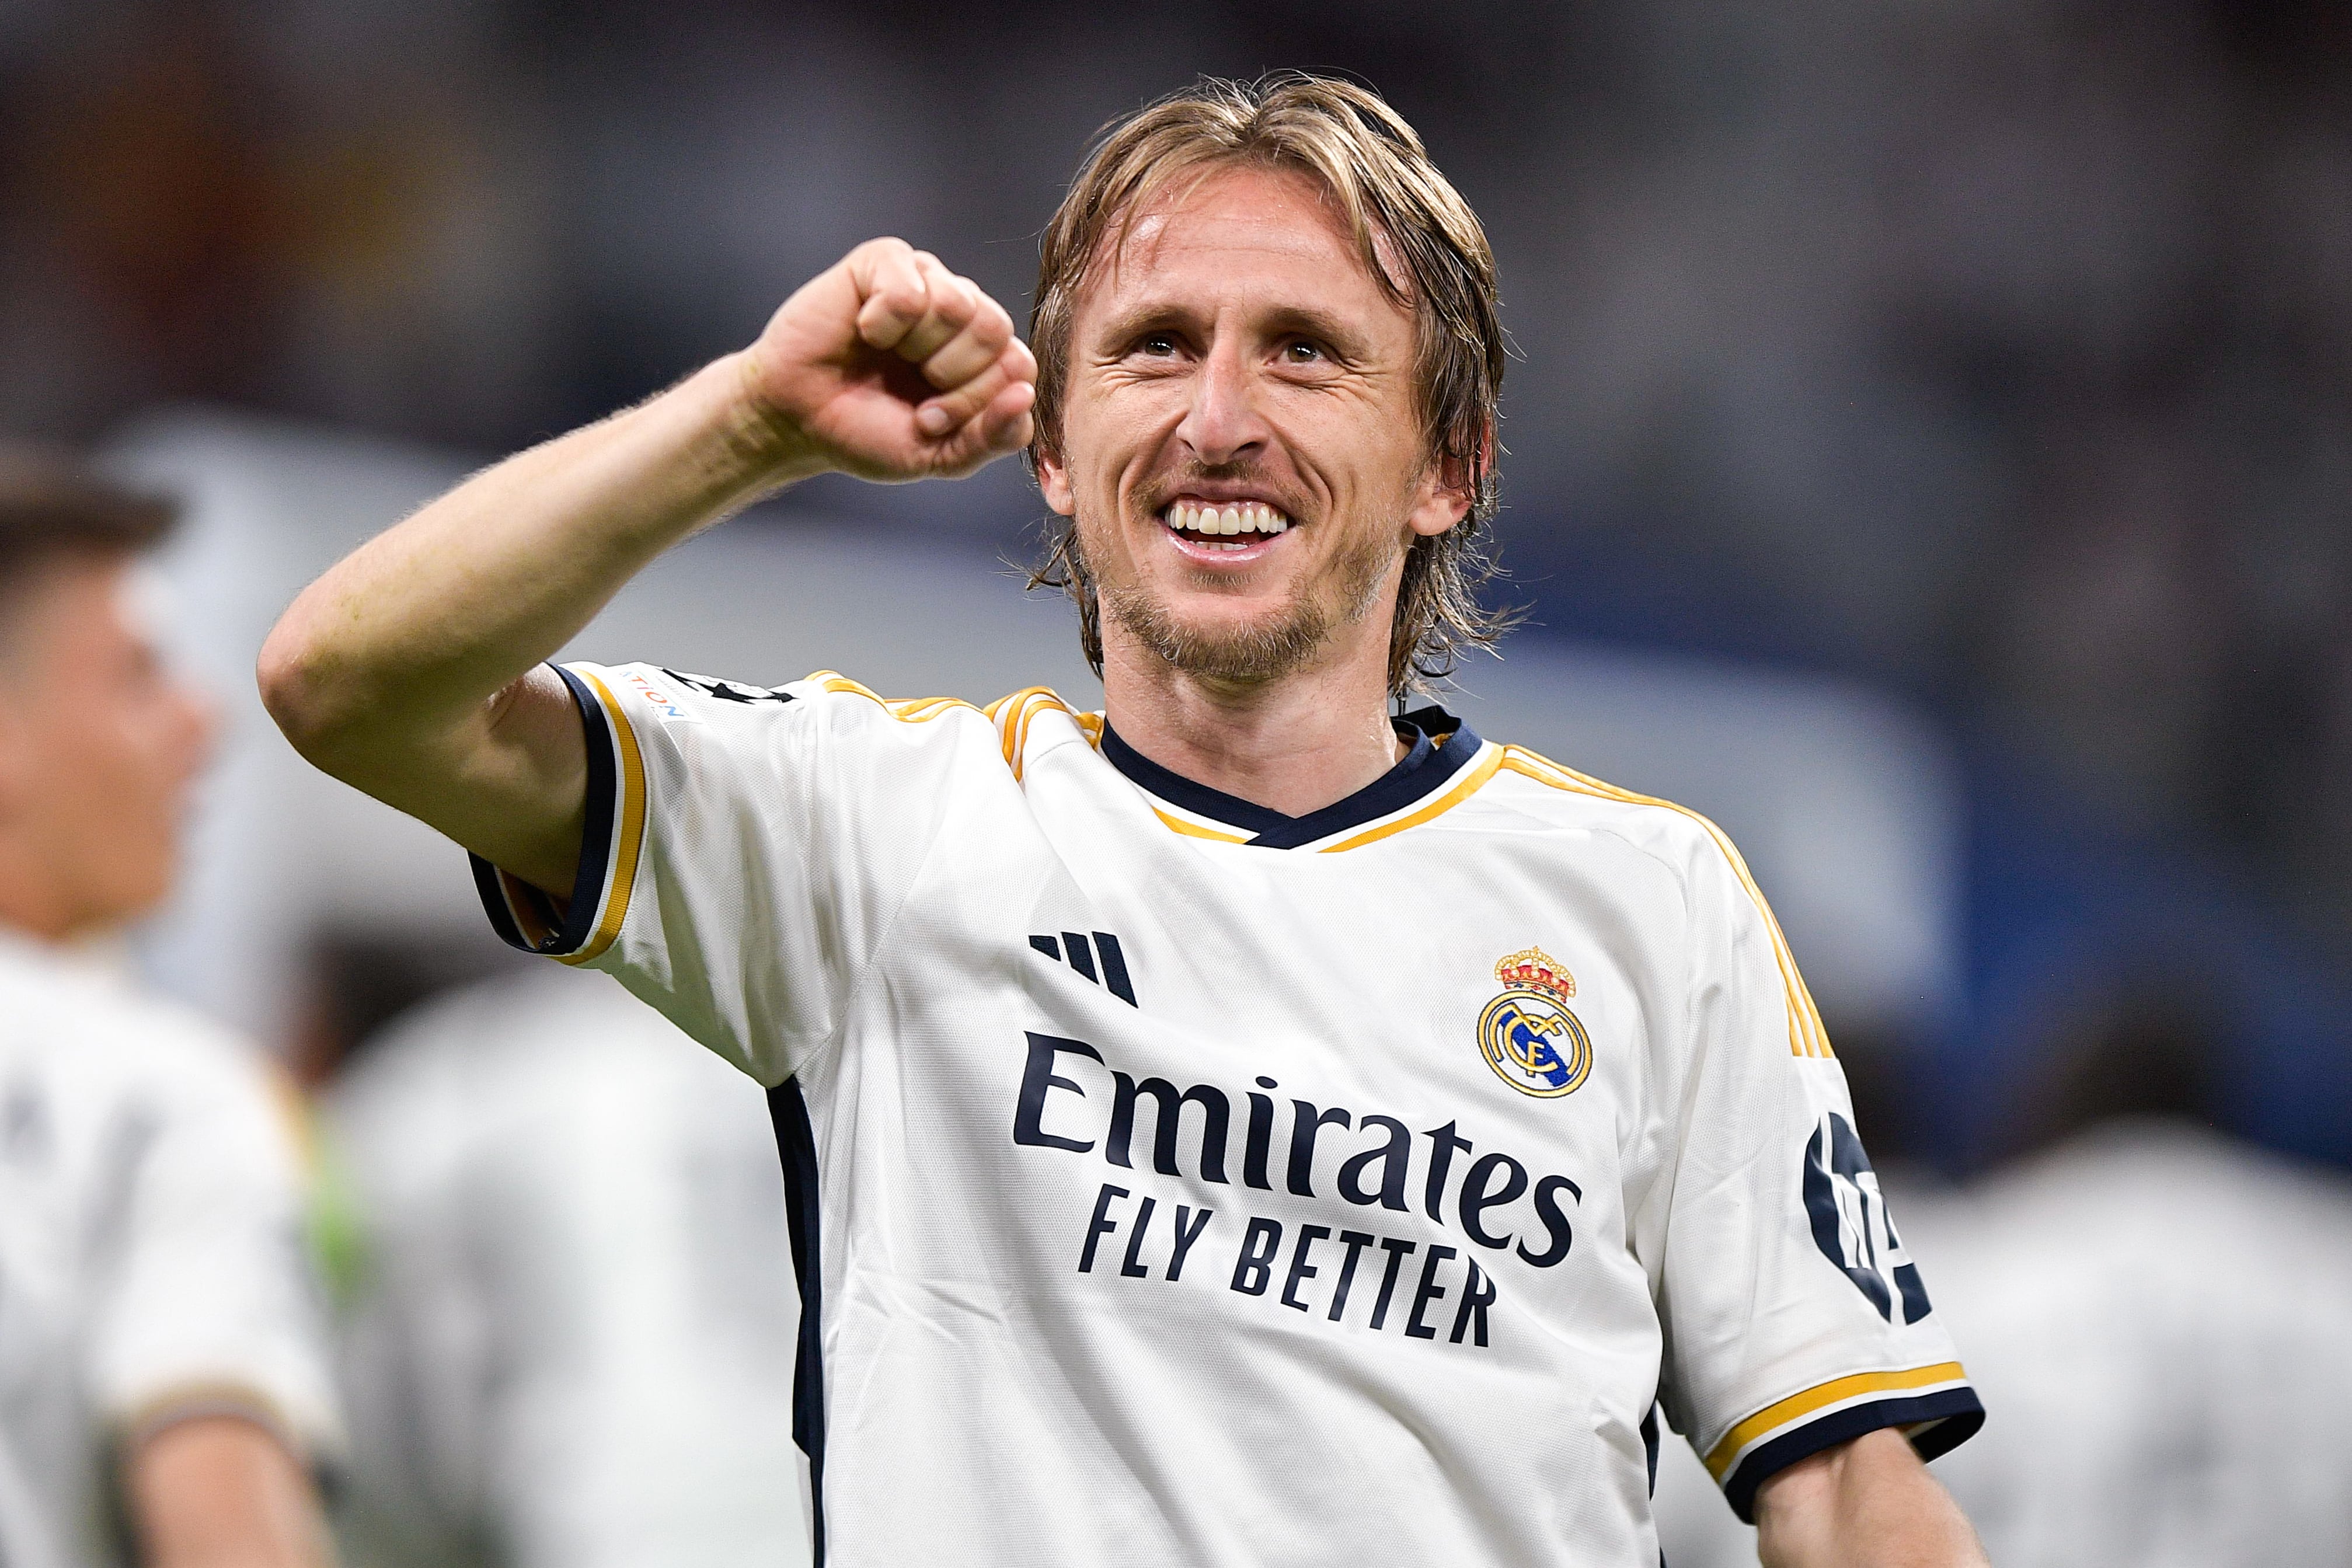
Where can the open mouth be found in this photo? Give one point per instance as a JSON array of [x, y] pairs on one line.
[[1223, 527]]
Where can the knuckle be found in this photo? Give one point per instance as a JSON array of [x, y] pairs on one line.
[[878, 253]]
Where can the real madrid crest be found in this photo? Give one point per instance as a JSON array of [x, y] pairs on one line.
[[1527, 1035]]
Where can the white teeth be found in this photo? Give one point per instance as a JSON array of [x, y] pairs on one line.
[[1243, 517]]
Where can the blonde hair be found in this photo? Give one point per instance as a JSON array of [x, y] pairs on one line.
[[1404, 216]]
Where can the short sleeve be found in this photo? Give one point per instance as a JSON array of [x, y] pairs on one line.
[[745, 850], [1795, 1319], [208, 1302]]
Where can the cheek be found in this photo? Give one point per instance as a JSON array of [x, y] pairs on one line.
[[135, 765]]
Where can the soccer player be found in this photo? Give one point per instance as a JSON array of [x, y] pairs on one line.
[[1240, 1126], [162, 1386]]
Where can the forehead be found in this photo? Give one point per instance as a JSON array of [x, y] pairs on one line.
[[80, 605], [1240, 236]]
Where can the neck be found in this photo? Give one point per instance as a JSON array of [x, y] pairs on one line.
[[1294, 744], [32, 906]]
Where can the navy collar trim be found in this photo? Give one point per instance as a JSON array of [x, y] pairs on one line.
[[1441, 744]]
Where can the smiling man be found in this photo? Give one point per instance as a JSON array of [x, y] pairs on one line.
[[1240, 1126]]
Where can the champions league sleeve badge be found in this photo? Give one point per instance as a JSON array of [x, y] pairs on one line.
[[1527, 1035]]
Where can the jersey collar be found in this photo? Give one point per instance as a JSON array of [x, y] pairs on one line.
[[1440, 746]]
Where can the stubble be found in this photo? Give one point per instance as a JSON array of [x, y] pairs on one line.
[[1270, 647]]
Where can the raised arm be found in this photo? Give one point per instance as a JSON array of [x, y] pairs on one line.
[[413, 669]]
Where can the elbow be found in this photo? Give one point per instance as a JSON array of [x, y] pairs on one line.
[[299, 694]]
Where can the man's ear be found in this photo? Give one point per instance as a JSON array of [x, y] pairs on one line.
[[1052, 479], [1450, 485], [1443, 498]]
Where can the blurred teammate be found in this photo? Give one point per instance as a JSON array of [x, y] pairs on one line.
[[2157, 1309], [162, 1387], [1242, 1126], [570, 1342]]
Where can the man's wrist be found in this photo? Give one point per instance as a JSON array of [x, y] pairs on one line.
[[772, 449]]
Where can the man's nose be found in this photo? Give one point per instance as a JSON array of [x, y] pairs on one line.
[[1223, 423]]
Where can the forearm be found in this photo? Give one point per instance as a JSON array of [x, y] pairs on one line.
[[411, 669], [415, 633], [222, 1492], [1869, 1503]]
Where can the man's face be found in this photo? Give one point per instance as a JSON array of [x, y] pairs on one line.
[[1236, 364], [98, 748]]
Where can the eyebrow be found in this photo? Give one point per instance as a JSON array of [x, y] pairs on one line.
[[1305, 321]]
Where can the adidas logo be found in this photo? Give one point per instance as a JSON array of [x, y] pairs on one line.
[[1074, 949]]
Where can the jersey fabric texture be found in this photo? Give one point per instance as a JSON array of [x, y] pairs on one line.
[[1176, 1181], [152, 1264]]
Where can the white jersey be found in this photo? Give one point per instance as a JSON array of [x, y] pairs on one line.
[[570, 1344], [1187, 1183], [151, 1264]]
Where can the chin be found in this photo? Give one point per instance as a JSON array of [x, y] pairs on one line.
[[1223, 641]]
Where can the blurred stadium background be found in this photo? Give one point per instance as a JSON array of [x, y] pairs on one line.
[[1931, 455]]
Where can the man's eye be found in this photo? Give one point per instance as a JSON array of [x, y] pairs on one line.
[[1300, 352], [1159, 344]]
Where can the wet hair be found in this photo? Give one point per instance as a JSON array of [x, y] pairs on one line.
[[1417, 238]]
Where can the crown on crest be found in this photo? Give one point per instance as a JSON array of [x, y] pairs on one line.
[[1533, 969]]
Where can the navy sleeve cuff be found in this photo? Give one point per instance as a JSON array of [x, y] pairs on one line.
[[524, 916], [1936, 1423]]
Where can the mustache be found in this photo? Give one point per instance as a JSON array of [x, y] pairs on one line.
[[1165, 488]]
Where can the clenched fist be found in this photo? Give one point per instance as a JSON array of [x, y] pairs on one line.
[[890, 367]]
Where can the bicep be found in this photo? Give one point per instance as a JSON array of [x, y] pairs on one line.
[[510, 783]]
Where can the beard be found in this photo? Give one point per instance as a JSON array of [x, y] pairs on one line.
[[1270, 647]]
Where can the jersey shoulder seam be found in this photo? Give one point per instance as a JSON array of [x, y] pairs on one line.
[[1807, 1037], [905, 710], [1013, 715]]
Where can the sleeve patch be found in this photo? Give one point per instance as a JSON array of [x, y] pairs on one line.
[[1852, 1225]]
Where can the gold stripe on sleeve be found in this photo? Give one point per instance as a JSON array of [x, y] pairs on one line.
[[1807, 1037], [630, 836], [1797, 1406]]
